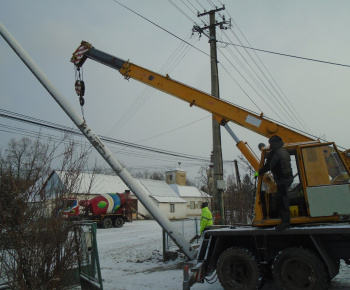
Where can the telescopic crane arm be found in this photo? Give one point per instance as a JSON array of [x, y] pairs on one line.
[[223, 111]]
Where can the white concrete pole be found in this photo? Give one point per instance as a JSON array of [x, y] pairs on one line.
[[105, 152]]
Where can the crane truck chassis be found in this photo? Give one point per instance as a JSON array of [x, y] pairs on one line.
[[302, 257], [305, 256]]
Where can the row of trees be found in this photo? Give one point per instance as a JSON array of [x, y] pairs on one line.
[[239, 197]]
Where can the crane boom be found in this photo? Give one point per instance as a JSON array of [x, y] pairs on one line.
[[222, 110]]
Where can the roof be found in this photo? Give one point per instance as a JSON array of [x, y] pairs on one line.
[[88, 183], [188, 191], [161, 191], [95, 183], [174, 170]]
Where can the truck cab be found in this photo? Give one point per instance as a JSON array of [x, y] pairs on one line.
[[320, 189], [70, 208]]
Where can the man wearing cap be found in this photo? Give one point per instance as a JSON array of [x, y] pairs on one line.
[[278, 162], [206, 218]]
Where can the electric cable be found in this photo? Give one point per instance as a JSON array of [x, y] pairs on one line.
[[178, 8], [170, 64], [72, 131], [167, 31], [287, 55], [282, 110]]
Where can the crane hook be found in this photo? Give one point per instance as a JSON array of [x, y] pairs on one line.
[[80, 88]]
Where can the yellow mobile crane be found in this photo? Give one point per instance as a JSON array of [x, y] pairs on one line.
[[319, 198], [225, 112]]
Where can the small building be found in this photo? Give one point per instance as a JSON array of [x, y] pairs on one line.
[[173, 206], [176, 178], [193, 196]]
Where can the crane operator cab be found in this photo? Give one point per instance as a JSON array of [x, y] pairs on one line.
[[320, 191]]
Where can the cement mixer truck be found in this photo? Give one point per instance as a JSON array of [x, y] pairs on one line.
[[109, 209]]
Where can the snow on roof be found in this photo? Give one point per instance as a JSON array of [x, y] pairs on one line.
[[161, 191], [96, 183], [88, 183], [188, 191], [163, 199], [175, 169]]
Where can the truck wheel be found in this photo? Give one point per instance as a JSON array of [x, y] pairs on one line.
[[237, 268], [118, 222], [107, 223], [299, 269]]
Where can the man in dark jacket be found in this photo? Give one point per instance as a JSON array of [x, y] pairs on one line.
[[278, 162]]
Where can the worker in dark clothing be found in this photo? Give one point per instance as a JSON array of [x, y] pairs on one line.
[[206, 218], [278, 162]]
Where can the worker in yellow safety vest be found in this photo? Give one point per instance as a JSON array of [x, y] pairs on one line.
[[206, 218]]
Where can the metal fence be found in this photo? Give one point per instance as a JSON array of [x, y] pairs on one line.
[[90, 271], [188, 228]]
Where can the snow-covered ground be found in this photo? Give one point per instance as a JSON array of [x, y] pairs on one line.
[[131, 258]]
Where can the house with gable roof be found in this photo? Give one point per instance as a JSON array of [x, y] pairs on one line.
[[173, 206], [176, 178], [193, 196]]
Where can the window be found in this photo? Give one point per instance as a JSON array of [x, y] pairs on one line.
[[323, 166], [295, 170], [192, 204], [172, 207]]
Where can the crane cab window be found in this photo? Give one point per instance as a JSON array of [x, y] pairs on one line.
[[323, 166]]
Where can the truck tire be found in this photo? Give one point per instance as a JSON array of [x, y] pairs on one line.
[[237, 268], [107, 223], [118, 222], [299, 269]]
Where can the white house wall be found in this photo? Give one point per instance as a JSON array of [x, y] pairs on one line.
[[197, 211], [179, 213], [180, 210]]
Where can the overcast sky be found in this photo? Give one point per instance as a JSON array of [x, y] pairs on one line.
[[311, 96]]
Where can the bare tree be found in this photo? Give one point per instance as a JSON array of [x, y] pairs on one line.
[[232, 200], [190, 182], [248, 194], [239, 202], [37, 249], [204, 182], [148, 174]]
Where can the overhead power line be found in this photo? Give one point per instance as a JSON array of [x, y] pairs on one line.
[[170, 64], [284, 54], [167, 31], [72, 131], [228, 43]]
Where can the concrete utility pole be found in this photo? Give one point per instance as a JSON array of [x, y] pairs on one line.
[[238, 178], [219, 185], [104, 151]]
